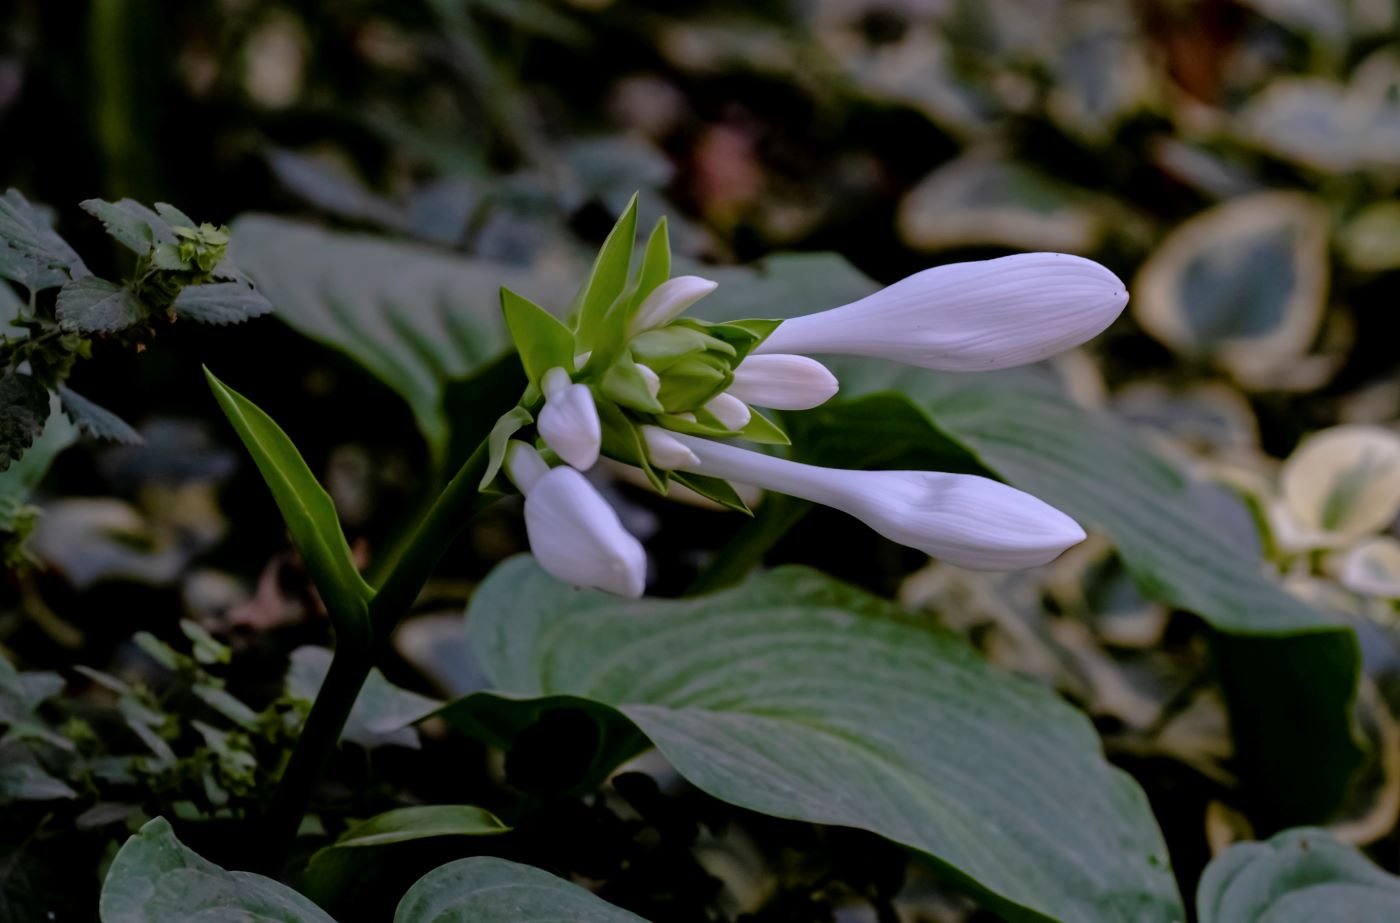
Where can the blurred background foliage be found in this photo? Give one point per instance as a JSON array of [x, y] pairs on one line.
[[1237, 161]]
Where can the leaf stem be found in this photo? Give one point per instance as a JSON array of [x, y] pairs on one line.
[[773, 519]]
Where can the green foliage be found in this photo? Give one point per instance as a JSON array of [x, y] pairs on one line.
[[1295, 877], [24, 408], [487, 890], [541, 339], [308, 510], [19, 479], [383, 713], [797, 696]]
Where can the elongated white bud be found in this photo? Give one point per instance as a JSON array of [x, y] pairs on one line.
[[783, 382], [967, 317], [668, 301], [652, 379], [569, 421], [732, 413], [578, 538], [523, 465], [971, 521], [665, 451]]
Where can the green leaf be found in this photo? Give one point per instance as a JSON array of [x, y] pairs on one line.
[[483, 889], [156, 879], [130, 223], [307, 508], [655, 268], [716, 489], [336, 872], [1298, 759], [415, 318], [623, 383], [30, 252], [542, 340], [95, 421], [762, 430], [508, 425], [623, 442], [19, 480], [93, 305], [383, 713], [24, 409], [1298, 876], [29, 782], [220, 303], [800, 697], [607, 279]]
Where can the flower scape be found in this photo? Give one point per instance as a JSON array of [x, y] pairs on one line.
[[634, 379]]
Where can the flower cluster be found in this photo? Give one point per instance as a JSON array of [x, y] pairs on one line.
[[633, 379]]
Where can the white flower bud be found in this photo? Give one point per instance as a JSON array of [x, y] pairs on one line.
[[578, 538], [732, 413], [967, 317], [523, 465], [668, 301], [665, 451], [652, 379], [783, 382], [569, 421], [966, 520]]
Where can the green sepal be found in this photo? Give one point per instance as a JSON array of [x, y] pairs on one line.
[[622, 442], [608, 278], [623, 382], [744, 335], [307, 509], [716, 489], [662, 348], [655, 268], [509, 423], [764, 431], [692, 381], [541, 338]]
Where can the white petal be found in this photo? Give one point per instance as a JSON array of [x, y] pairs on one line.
[[569, 425], [668, 301], [665, 451], [732, 413], [1373, 568], [652, 379], [966, 317], [523, 465], [554, 382], [783, 382], [578, 538], [971, 521]]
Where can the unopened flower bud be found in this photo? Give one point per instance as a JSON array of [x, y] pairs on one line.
[[668, 301], [967, 317], [783, 382], [665, 451], [569, 421], [971, 521], [577, 537], [732, 413]]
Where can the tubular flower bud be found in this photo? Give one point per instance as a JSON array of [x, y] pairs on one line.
[[732, 413], [668, 301], [967, 317], [665, 451], [966, 520], [573, 532], [653, 380], [783, 382], [569, 421]]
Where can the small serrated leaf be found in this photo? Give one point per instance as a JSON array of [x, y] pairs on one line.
[[96, 421], [221, 303], [129, 223], [24, 408], [93, 305], [174, 216], [31, 253]]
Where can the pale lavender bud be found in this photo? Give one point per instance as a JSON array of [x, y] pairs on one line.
[[783, 382], [569, 421], [665, 451], [732, 413], [967, 317], [971, 521], [668, 301]]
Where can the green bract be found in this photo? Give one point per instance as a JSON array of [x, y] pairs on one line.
[[662, 376]]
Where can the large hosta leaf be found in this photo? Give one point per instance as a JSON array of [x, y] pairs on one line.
[[1289, 671], [801, 697], [414, 317], [488, 890], [1299, 876], [157, 879]]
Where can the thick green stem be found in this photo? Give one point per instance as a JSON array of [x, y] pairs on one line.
[[354, 657]]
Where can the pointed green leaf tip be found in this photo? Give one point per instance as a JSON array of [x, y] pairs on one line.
[[542, 340], [608, 278], [307, 509]]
